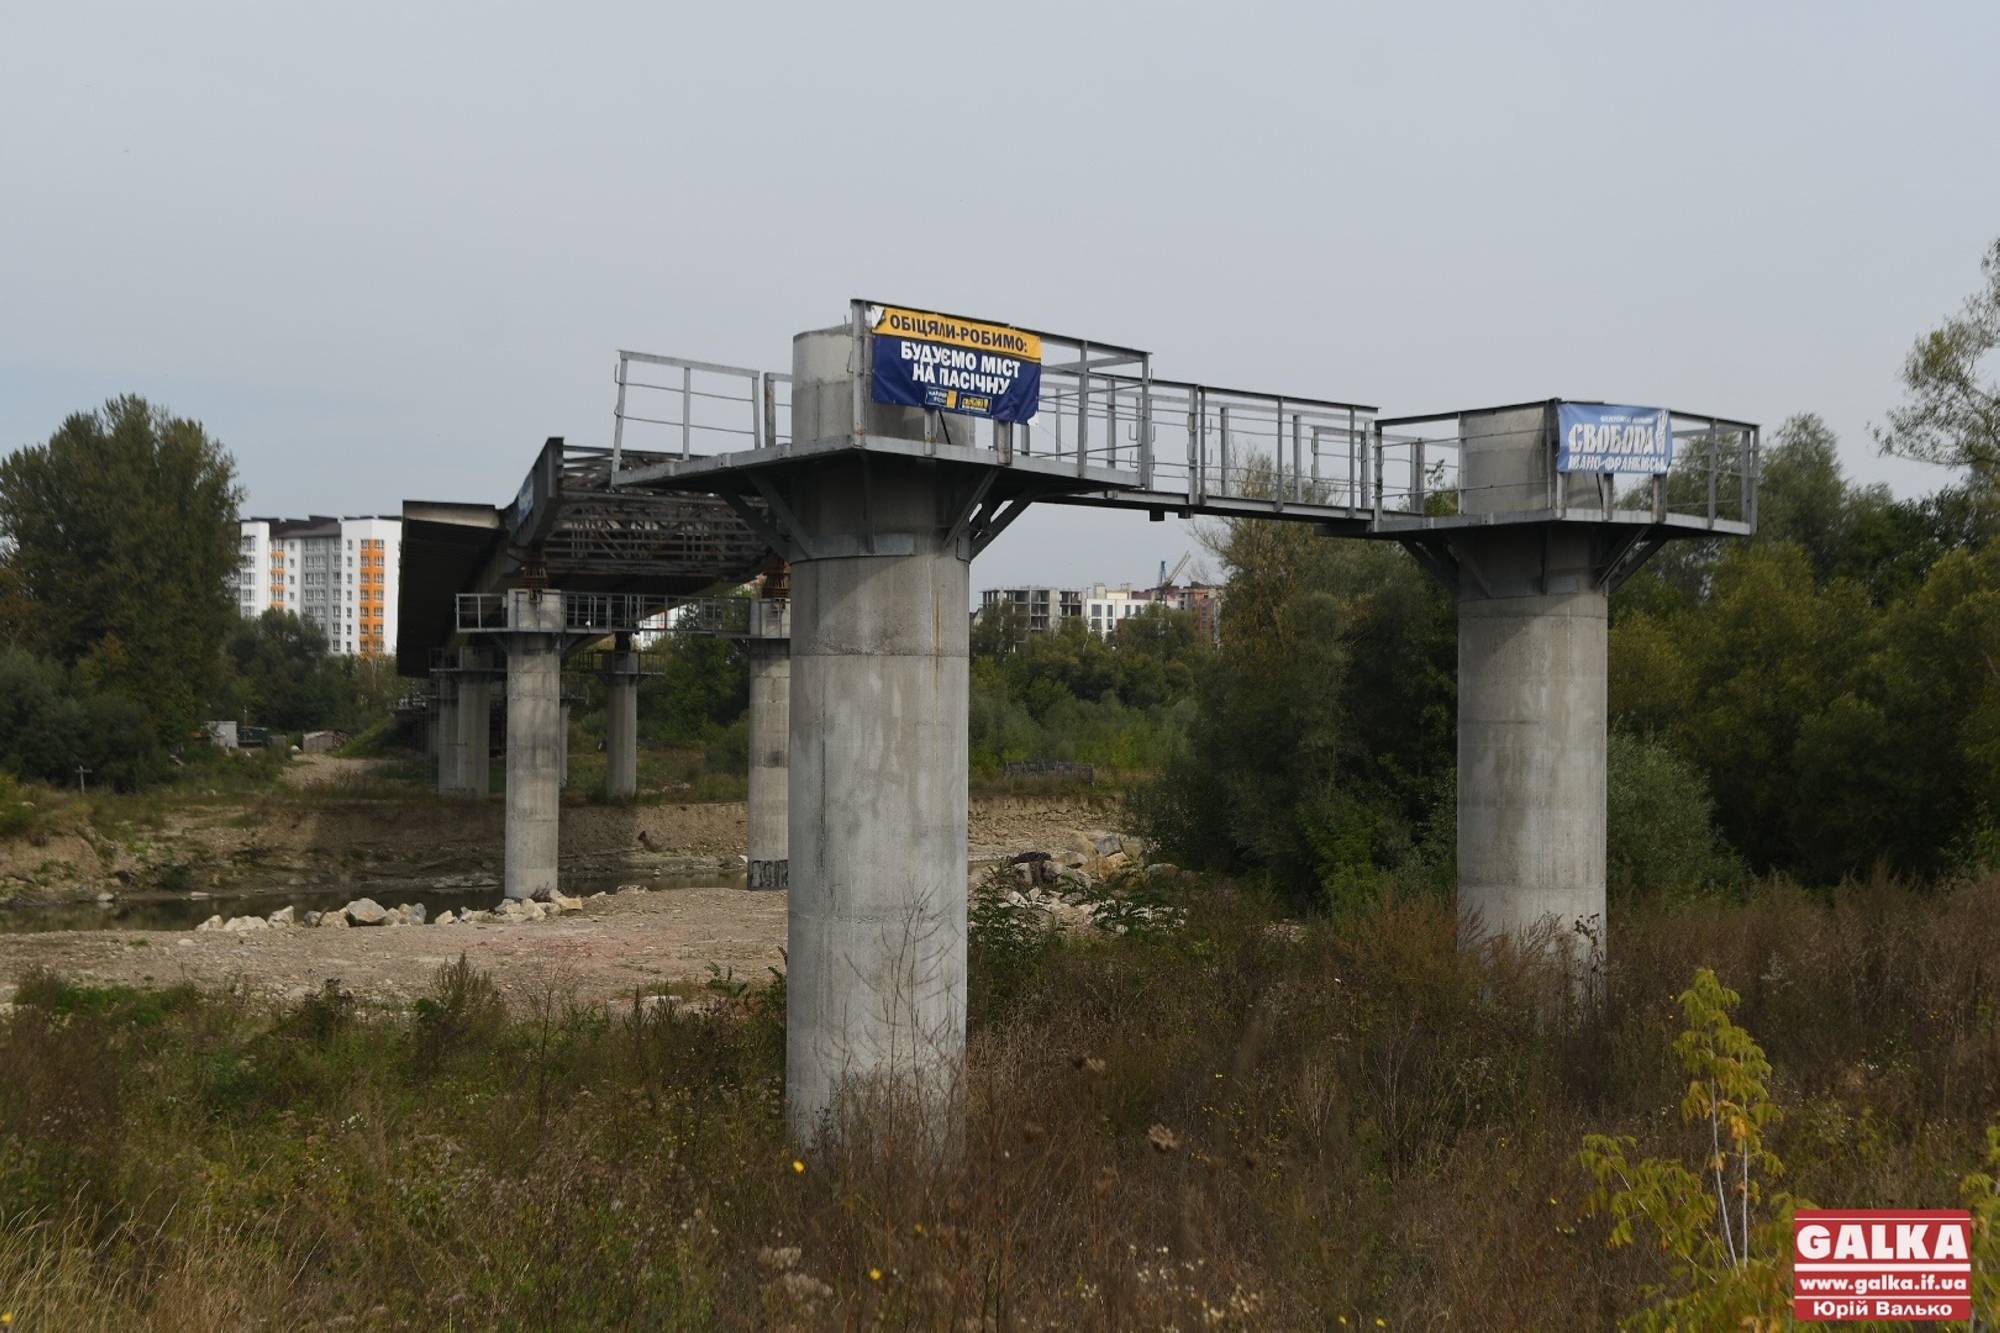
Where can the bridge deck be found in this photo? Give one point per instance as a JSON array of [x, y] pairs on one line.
[[1111, 435]]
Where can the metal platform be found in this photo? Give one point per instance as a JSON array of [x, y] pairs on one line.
[[568, 528], [1109, 434]]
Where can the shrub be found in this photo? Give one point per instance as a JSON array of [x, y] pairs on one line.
[[463, 1011], [1659, 822], [20, 814]]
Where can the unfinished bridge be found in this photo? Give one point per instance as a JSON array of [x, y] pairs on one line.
[[898, 446]]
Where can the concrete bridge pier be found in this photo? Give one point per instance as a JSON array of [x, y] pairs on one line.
[[621, 732], [475, 723], [877, 821], [562, 743], [447, 746], [1532, 605], [768, 815], [534, 742], [1532, 740]]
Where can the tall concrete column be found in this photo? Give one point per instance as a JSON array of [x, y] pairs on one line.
[[1532, 609], [446, 743], [768, 814], [562, 743], [475, 723], [534, 743], [621, 731], [877, 819], [1531, 742]]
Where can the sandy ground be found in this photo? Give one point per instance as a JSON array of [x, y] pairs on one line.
[[615, 945], [619, 942]]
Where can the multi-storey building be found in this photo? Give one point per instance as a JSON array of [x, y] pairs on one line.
[[1036, 610], [337, 573], [1107, 606], [1102, 608]]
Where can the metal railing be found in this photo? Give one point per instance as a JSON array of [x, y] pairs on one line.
[[1419, 467], [1103, 417], [679, 408], [1101, 414], [645, 615]]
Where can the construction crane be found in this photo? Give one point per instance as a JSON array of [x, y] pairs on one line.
[[1166, 579]]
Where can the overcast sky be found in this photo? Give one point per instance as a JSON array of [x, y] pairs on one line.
[[383, 250]]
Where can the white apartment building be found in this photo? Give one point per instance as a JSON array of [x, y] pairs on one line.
[[1102, 607], [338, 573], [1105, 606]]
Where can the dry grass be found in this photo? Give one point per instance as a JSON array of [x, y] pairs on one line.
[[1235, 1124]]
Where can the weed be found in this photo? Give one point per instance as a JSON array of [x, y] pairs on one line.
[[1240, 1122]]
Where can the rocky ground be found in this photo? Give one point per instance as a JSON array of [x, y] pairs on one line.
[[337, 840], [1054, 855], [607, 949]]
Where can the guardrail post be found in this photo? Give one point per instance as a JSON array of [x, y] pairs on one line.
[[1378, 473], [1354, 447], [1750, 477], [1714, 461], [687, 408], [618, 420], [1197, 431], [1083, 410], [1278, 456], [1222, 414], [1298, 485], [1146, 424], [1111, 425], [861, 355]]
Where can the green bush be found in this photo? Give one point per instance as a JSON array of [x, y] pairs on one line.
[[1659, 828], [20, 814]]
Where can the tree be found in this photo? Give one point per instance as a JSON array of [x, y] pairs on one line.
[[281, 675], [1321, 748], [123, 539], [1952, 417]]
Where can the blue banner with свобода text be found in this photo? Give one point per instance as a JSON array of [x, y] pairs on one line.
[[1600, 437]]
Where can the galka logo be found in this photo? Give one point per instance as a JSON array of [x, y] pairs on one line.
[[1881, 1264]]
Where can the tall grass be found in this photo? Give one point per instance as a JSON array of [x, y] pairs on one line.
[[1238, 1123]]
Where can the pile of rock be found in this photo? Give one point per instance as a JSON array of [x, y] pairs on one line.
[[368, 912], [1092, 884]]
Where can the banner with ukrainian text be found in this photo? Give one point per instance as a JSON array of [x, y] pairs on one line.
[[956, 365], [1597, 437]]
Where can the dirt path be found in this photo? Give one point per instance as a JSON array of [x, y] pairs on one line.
[[326, 770]]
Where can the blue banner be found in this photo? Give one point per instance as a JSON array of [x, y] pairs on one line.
[[956, 365], [1597, 437]]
